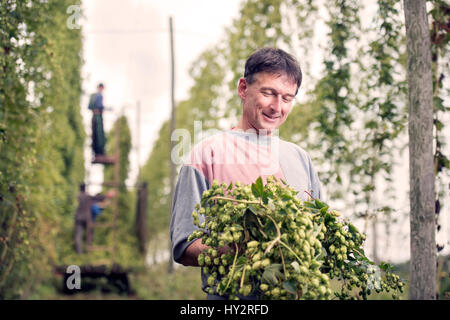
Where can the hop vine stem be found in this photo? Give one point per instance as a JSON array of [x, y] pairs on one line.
[[233, 267], [235, 200]]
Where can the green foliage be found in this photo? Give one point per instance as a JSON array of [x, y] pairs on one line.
[[332, 93], [381, 101], [263, 240], [356, 112], [156, 283], [156, 173], [126, 240], [41, 139], [126, 207]]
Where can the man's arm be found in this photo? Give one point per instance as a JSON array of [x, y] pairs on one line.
[[188, 192], [316, 186], [97, 198], [190, 256]]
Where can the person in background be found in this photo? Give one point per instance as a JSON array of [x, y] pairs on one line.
[[98, 207], [83, 216], [98, 134], [96, 210]]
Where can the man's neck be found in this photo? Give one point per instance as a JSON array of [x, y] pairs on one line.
[[246, 127]]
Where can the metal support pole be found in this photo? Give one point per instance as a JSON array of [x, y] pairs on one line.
[[172, 127]]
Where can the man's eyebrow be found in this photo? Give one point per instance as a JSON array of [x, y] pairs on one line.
[[274, 90]]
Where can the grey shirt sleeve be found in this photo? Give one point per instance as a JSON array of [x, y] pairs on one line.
[[188, 192], [316, 186], [299, 171]]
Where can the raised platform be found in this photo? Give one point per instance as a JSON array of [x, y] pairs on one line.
[[104, 159]]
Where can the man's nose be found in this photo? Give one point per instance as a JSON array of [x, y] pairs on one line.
[[276, 104]]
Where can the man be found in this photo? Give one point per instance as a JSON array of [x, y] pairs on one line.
[[98, 134], [251, 149], [83, 216]]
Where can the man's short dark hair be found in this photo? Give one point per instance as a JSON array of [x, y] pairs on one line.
[[100, 85], [272, 60], [82, 187]]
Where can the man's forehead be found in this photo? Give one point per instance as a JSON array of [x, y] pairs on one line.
[[270, 78]]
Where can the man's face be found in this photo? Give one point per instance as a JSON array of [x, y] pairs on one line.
[[267, 101]]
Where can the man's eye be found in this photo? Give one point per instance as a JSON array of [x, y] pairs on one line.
[[287, 99]]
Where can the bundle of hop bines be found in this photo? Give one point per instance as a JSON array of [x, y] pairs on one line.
[[282, 247]]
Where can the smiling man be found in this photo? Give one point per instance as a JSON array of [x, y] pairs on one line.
[[247, 151], [270, 83]]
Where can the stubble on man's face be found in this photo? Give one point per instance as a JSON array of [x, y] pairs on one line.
[[267, 101]]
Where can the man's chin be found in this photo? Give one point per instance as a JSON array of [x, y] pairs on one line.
[[267, 129]]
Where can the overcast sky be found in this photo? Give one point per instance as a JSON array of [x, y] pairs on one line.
[[126, 46]]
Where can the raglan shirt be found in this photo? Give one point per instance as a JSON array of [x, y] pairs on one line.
[[232, 156]]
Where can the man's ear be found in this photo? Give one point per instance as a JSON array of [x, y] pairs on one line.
[[242, 88]]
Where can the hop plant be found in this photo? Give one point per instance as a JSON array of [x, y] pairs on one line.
[[282, 247]]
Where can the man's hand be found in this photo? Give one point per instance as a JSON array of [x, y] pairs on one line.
[[111, 193], [223, 250], [190, 256]]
